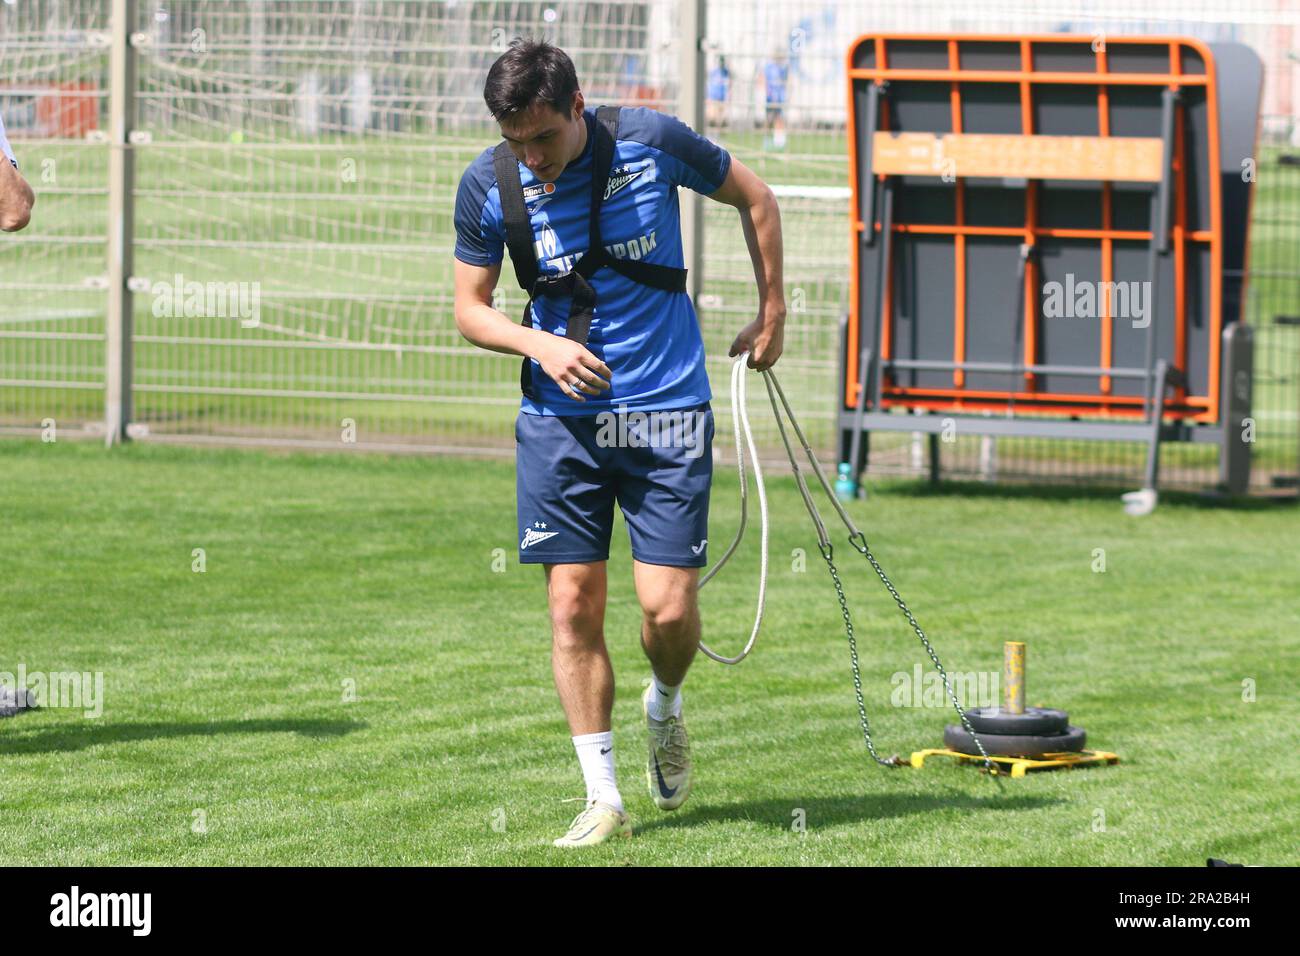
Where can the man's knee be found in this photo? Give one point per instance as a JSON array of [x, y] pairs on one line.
[[675, 614], [577, 614]]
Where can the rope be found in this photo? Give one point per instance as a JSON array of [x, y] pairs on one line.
[[739, 421]]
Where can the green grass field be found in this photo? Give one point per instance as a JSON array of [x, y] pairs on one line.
[[224, 691]]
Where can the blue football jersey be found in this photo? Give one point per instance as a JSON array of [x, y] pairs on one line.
[[649, 338]]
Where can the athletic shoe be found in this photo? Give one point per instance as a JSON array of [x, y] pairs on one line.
[[596, 824], [668, 767]]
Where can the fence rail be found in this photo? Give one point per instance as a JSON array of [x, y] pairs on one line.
[[291, 168]]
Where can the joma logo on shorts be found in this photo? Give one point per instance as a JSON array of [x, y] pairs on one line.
[[682, 428]]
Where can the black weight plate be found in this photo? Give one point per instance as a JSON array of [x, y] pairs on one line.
[[1035, 720], [1015, 745]]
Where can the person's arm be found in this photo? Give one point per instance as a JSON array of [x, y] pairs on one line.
[[760, 218], [16, 197], [564, 360]]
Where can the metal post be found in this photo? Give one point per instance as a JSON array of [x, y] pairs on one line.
[[1159, 239], [884, 269], [1013, 677], [692, 19], [866, 176], [121, 180]]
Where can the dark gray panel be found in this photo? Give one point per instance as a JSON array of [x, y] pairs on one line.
[[1240, 77], [1196, 153], [864, 55], [980, 55], [1137, 58], [994, 206], [1193, 62], [1132, 264], [1075, 207], [1198, 307], [923, 287], [1065, 110], [992, 267], [916, 54], [990, 108], [1071, 338], [1064, 58], [1131, 208], [865, 180], [1134, 110], [919, 107], [927, 202]]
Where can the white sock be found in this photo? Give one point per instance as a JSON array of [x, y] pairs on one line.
[[666, 701], [596, 755]]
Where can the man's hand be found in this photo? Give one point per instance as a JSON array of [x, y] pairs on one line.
[[16, 198], [572, 367], [762, 339]]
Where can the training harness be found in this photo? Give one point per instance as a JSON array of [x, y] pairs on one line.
[[576, 283]]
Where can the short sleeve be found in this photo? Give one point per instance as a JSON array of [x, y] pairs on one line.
[[5, 147], [702, 164], [479, 237]]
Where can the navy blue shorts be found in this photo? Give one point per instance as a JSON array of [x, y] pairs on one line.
[[570, 470]]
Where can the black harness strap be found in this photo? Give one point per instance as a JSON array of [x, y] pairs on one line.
[[575, 283]]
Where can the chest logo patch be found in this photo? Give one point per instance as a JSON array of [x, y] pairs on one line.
[[620, 177]]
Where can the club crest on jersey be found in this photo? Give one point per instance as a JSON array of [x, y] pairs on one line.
[[539, 193], [622, 176]]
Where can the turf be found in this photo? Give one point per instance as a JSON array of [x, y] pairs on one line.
[[227, 738]]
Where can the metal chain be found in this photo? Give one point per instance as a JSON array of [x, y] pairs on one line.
[[864, 549], [895, 760], [855, 535]]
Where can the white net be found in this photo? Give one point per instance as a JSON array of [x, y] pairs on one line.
[[296, 172]]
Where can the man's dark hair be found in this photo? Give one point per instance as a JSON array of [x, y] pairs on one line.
[[530, 70]]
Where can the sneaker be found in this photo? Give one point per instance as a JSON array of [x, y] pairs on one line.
[[668, 767], [596, 824]]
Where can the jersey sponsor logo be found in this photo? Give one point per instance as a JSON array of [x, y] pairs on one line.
[[622, 176], [548, 242], [539, 194], [537, 533]]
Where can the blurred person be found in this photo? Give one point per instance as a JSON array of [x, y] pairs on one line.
[[776, 76], [718, 93]]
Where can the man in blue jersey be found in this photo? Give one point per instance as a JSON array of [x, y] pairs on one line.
[[718, 93], [616, 405], [776, 74]]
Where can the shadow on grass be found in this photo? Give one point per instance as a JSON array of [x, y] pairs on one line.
[[1069, 493], [823, 811], [93, 734]]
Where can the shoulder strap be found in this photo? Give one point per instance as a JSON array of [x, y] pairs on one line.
[[519, 231], [602, 161], [660, 277]]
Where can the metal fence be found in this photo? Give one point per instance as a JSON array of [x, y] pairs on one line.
[[290, 169]]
